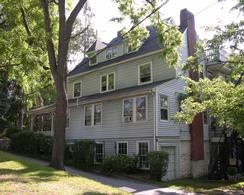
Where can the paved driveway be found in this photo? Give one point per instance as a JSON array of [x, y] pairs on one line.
[[129, 185]]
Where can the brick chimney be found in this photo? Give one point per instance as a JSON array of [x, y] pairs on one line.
[[187, 22]]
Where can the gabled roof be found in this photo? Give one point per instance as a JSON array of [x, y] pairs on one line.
[[150, 45], [97, 45]]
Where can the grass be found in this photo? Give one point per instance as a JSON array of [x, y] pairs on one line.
[[200, 185], [17, 176]]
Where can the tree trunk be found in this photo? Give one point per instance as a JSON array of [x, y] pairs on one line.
[[59, 125]]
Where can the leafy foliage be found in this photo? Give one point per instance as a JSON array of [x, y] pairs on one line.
[[83, 154], [221, 97], [168, 35], [158, 161], [31, 143], [119, 163]]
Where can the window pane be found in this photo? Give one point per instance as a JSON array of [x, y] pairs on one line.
[[128, 110], [122, 148], [99, 153], [97, 114], [145, 73], [140, 108], [88, 115], [67, 120], [93, 60], [142, 155], [104, 83], [108, 54], [114, 52], [77, 88], [111, 81], [164, 107]]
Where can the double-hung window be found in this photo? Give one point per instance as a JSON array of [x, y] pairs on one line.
[[93, 115], [135, 109], [67, 123], [99, 152], [122, 147], [163, 107], [77, 90], [142, 150], [93, 60], [111, 53], [107, 82], [145, 73]]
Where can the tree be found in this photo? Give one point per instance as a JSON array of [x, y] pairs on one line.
[[221, 98], [47, 33]]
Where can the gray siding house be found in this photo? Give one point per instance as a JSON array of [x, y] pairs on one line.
[[124, 100]]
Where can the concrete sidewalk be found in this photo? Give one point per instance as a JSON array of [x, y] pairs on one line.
[[128, 185]]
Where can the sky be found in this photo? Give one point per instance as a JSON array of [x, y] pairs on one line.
[[206, 12]]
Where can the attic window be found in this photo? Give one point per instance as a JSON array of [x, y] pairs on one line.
[[93, 60], [111, 53]]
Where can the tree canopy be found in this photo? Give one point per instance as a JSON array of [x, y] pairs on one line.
[[221, 97]]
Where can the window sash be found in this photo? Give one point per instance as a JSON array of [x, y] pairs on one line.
[[97, 114], [143, 149], [122, 148], [93, 60], [163, 108], [99, 152], [107, 82], [145, 73], [77, 89], [88, 115]]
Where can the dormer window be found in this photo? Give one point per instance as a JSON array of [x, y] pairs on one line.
[[77, 90], [145, 73], [111, 53], [107, 82], [93, 60]]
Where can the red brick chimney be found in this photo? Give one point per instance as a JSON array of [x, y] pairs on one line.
[[187, 21]]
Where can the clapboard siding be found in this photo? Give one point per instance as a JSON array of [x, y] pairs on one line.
[[126, 75], [112, 125], [170, 89]]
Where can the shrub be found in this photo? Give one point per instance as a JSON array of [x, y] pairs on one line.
[[119, 163], [32, 143], [158, 161], [83, 154], [10, 132]]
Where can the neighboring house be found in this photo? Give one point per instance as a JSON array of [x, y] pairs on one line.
[[125, 99]]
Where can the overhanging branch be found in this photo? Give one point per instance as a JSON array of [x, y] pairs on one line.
[[79, 33]]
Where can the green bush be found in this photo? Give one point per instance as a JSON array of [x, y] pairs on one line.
[[32, 143], [83, 154], [158, 161], [119, 163], [10, 132]]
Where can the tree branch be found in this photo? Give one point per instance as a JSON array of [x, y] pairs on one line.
[[49, 41], [25, 21], [72, 17], [79, 33]]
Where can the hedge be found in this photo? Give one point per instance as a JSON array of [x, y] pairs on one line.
[[31, 143], [119, 163], [158, 161]]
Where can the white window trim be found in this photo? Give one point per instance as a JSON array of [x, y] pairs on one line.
[[134, 109], [151, 74], [117, 146], [74, 89], [111, 48], [100, 142], [107, 81], [92, 115], [168, 100], [137, 149], [91, 58]]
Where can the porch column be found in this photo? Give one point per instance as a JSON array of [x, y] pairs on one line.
[[52, 121]]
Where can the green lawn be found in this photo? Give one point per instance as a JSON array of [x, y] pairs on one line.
[[201, 185], [17, 176]]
